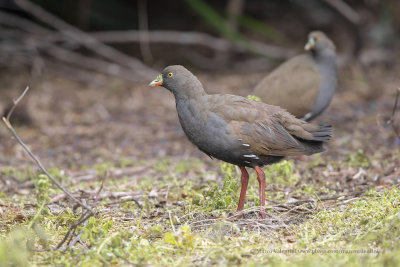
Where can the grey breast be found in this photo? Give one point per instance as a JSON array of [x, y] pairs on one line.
[[206, 130], [326, 66]]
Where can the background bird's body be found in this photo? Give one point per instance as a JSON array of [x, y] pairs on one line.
[[303, 85]]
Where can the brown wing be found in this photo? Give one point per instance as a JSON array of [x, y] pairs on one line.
[[294, 86], [269, 130], [273, 136]]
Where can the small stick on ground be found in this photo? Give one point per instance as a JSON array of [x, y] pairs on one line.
[[89, 211], [71, 231], [15, 104], [103, 178], [6, 121]]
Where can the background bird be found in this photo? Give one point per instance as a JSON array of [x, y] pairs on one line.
[[303, 85], [237, 130]]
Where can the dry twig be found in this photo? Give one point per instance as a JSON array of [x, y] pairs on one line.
[[144, 31], [192, 38], [88, 210], [43, 41], [347, 11], [6, 121], [22, 24], [141, 71]]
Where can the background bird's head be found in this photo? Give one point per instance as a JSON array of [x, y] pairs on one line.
[[318, 42]]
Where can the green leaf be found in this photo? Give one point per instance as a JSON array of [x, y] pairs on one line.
[[169, 238]]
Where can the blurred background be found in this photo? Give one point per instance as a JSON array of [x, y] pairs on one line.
[[92, 120], [204, 34], [88, 64]]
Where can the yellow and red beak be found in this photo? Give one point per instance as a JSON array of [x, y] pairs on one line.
[[157, 81]]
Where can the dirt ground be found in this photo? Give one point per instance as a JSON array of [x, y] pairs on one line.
[[74, 124], [132, 129]]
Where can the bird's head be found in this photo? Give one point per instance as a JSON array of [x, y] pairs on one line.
[[318, 42], [180, 81]]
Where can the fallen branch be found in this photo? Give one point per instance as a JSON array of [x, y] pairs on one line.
[[120, 196], [347, 11], [191, 38], [115, 173], [70, 233], [140, 70], [46, 41], [89, 63], [22, 24], [6, 121], [75, 73], [88, 210]]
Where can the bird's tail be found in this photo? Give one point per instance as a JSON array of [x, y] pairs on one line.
[[321, 135]]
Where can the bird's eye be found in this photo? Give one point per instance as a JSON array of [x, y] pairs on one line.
[[318, 39], [170, 74]]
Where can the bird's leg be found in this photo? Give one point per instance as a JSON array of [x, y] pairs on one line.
[[245, 180], [261, 182]]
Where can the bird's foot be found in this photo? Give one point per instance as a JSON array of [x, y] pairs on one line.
[[239, 215], [262, 213]]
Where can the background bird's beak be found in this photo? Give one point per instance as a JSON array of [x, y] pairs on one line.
[[158, 81], [310, 44]]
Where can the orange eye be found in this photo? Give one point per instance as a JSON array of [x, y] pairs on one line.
[[170, 74], [319, 39]]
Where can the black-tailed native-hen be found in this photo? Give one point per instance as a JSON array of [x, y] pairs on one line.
[[305, 84], [238, 130]]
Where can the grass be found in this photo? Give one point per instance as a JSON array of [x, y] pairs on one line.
[[165, 231]]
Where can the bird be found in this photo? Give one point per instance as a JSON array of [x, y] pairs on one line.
[[237, 130], [305, 84]]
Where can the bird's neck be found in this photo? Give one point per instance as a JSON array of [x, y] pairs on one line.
[[325, 56], [326, 60], [194, 92]]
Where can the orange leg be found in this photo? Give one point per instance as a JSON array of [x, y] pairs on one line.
[[245, 180], [261, 182]]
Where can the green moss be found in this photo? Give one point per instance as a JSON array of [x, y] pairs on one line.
[[155, 231], [42, 185], [224, 197], [20, 175], [57, 174], [182, 238], [162, 165], [166, 231], [13, 250], [358, 159], [317, 160], [187, 165], [282, 173], [126, 162], [102, 168], [253, 97], [96, 229]]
